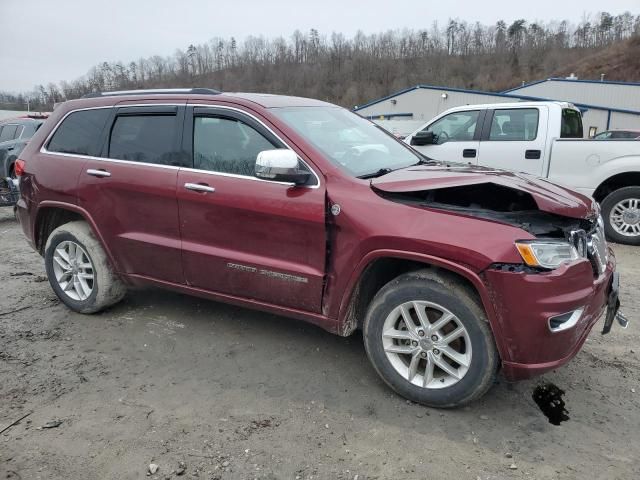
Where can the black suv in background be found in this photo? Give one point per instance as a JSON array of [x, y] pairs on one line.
[[14, 136]]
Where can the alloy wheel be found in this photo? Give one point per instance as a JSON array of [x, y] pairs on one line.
[[625, 217], [73, 270], [427, 344]]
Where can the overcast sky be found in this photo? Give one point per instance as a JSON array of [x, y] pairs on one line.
[[44, 41]]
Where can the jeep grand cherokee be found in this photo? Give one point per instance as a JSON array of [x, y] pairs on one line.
[[305, 209]]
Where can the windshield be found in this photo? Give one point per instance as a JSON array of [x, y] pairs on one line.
[[348, 140]]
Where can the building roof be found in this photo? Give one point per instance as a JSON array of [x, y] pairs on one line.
[[504, 94], [573, 80]]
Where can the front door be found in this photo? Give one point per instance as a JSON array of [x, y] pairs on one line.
[[241, 235], [456, 137], [131, 191], [515, 139]]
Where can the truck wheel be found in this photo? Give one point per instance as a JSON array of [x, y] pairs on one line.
[[430, 341], [621, 214], [79, 270]]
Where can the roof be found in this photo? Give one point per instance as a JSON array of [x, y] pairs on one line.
[[185, 95], [24, 120], [516, 97], [572, 80], [632, 130], [269, 100]]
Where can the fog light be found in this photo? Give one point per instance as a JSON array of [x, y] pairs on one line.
[[559, 323]]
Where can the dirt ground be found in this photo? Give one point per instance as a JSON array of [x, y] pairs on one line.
[[235, 394]]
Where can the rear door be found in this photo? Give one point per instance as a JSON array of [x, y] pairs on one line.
[[515, 139], [456, 136], [130, 191], [244, 236]]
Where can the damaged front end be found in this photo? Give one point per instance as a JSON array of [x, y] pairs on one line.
[[496, 203], [547, 296], [558, 237]]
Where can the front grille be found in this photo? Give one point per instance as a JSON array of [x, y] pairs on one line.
[[597, 251], [592, 246]]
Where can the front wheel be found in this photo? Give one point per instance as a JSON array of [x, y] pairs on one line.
[[430, 341], [621, 214]]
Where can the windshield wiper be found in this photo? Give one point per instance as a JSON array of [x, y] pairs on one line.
[[426, 161], [379, 173]]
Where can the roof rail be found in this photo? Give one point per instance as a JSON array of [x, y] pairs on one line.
[[154, 91]]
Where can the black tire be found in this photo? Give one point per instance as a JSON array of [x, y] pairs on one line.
[[607, 205], [107, 289], [444, 290], [11, 173]]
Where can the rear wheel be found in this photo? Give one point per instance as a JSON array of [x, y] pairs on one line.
[[79, 271], [621, 214], [429, 340]]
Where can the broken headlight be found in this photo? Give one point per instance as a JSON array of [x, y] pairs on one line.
[[546, 254]]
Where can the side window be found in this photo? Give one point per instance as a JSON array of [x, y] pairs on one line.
[[227, 145], [8, 133], [80, 132], [571, 126], [455, 127], [624, 135], [515, 124], [145, 138], [19, 130]]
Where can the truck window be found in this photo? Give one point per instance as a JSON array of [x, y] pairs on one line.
[[571, 124], [8, 133], [144, 138], [80, 132], [517, 124], [227, 145], [455, 127]]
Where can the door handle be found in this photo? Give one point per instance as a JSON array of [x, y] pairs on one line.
[[98, 173], [532, 154], [469, 153], [199, 187], [12, 147]]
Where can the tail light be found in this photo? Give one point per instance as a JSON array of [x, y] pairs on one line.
[[18, 167]]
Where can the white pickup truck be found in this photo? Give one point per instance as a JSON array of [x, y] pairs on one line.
[[544, 139]]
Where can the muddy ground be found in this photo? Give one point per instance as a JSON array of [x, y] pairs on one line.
[[235, 394]]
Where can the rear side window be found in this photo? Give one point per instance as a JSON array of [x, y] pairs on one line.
[[519, 124], [571, 124], [144, 138], [8, 133], [80, 132], [625, 135]]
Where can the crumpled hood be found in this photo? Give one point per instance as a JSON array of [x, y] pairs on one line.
[[549, 197]]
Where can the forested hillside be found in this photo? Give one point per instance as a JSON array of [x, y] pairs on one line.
[[350, 71]]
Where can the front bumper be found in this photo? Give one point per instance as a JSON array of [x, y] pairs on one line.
[[526, 301]]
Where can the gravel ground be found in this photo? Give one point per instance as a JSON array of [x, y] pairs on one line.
[[207, 390]]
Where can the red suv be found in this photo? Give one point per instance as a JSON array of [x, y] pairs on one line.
[[305, 209]]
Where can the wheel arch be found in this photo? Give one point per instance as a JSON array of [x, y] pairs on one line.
[[8, 165], [50, 215], [616, 182], [380, 267]]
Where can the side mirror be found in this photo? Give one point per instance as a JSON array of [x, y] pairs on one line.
[[423, 138], [281, 166]]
